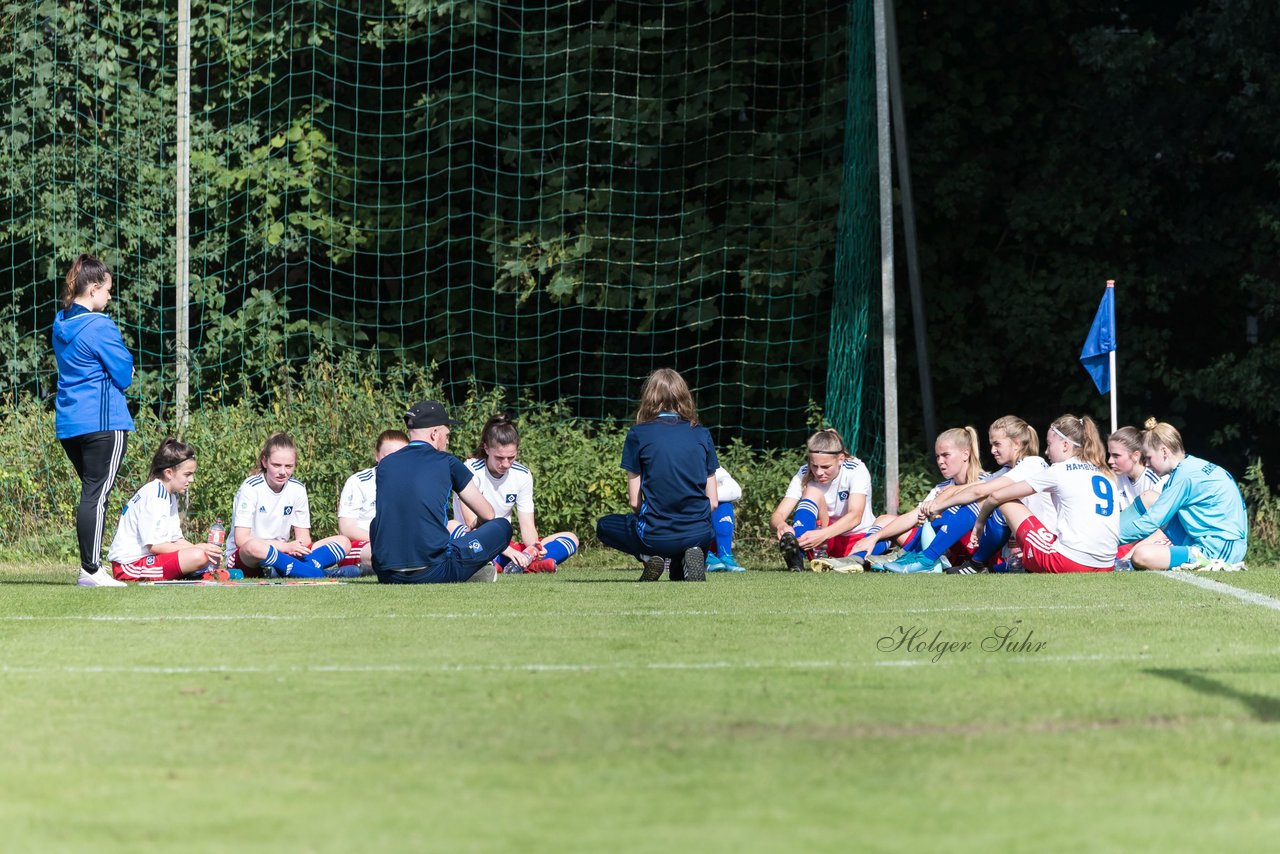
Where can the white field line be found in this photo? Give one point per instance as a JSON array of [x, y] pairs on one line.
[[536, 667], [1218, 587], [524, 615]]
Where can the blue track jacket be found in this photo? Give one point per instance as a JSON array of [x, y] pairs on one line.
[[94, 369]]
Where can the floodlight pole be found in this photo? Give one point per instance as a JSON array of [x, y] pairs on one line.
[[182, 349], [885, 166]]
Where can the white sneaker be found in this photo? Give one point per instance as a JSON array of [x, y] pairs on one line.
[[488, 572], [101, 578]]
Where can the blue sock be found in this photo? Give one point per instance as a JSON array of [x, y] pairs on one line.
[[289, 566], [994, 536], [881, 546], [806, 517], [560, 549], [326, 556], [951, 527], [723, 523]]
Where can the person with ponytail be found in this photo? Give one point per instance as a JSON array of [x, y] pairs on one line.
[[149, 545], [1015, 447], [1134, 479], [93, 421], [958, 458], [1200, 510], [1083, 491], [831, 499], [507, 484]]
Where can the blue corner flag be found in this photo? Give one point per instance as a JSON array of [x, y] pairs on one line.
[[1101, 341]]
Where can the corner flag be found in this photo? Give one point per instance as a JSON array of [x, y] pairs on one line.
[[1101, 343]]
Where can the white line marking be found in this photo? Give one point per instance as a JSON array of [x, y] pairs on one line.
[[1218, 587]]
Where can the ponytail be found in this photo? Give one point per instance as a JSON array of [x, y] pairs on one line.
[[1022, 434], [275, 442], [1083, 434], [170, 454], [499, 430], [966, 439], [826, 441], [86, 271]]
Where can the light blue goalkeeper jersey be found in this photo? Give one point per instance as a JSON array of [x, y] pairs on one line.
[[1203, 497]]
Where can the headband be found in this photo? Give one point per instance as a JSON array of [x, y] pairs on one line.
[[1065, 436]]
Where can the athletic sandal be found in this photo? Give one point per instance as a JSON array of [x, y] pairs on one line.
[[654, 566], [695, 564], [792, 554]]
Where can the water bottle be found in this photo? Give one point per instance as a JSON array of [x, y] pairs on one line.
[[218, 537]]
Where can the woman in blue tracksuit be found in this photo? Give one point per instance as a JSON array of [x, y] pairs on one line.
[[1200, 510], [93, 421]]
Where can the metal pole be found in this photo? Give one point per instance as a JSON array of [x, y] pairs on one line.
[[1111, 283], [886, 265], [182, 350], [909, 228]]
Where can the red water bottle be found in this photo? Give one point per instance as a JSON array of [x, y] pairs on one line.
[[217, 537]]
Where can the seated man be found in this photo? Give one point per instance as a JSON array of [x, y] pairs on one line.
[[410, 535], [358, 504]]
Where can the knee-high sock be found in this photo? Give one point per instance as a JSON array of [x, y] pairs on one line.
[[289, 566], [881, 546], [559, 549], [994, 536], [954, 524], [326, 556], [723, 523], [806, 516]]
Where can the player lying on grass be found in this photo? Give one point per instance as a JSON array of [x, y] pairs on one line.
[[956, 454], [271, 521], [507, 485], [148, 545], [1015, 448], [358, 503], [1083, 490], [1200, 510], [831, 499]]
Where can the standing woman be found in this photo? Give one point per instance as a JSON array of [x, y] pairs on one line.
[[93, 421]]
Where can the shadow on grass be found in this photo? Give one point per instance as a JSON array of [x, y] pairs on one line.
[[1263, 708]]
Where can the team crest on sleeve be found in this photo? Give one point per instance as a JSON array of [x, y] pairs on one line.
[[288, 510], [844, 495], [511, 498], [475, 546]]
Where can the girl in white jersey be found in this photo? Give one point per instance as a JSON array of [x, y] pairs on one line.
[[958, 458], [271, 520], [1133, 479], [357, 505], [831, 497], [148, 545], [508, 485], [1083, 491], [1015, 448]]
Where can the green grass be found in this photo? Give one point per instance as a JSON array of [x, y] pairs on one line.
[[582, 711]]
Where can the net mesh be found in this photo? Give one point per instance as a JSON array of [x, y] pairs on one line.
[[554, 198]]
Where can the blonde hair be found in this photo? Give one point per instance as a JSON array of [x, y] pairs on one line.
[[826, 441], [666, 391], [1083, 434], [277, 441], [86, 271], [1158, 434], [1128, 437], [966, 439], [1022, 433]]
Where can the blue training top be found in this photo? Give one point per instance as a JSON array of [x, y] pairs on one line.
[[94, 369], [674, 460], [410, 530], [1202, 495]]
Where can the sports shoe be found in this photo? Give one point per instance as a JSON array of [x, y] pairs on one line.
[[890, 556], [729, 564], [792, 554], [911, 562], [545, 564], [969, 567], [715, 564], [695, 564], [488, 572], [654, 566], [101, 578]]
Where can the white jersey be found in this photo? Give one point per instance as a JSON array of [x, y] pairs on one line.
[[150, 517], [1128, 491], [359, 497], [512, 491], [1039, 503], [1088, 513], [270, 515], [852, 479], [727, 489]]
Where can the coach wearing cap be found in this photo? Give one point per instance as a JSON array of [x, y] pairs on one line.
[[410, 536]]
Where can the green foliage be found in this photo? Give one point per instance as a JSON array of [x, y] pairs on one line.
[[1264, 515]]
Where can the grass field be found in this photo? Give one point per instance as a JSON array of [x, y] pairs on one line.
[[582, 711]]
